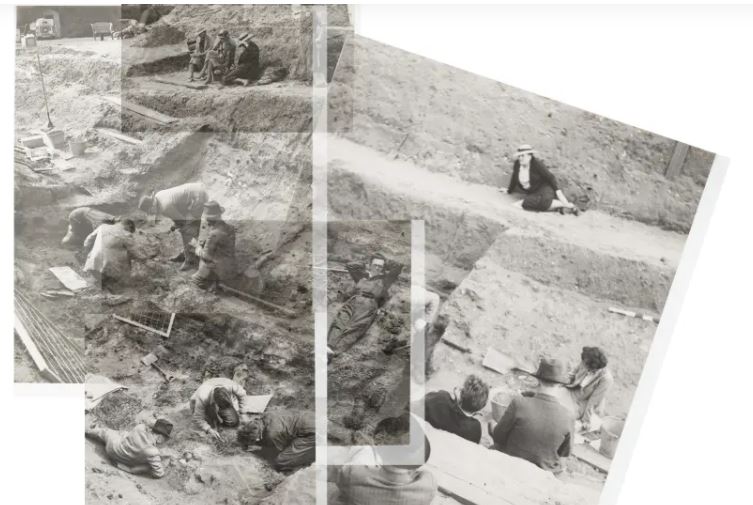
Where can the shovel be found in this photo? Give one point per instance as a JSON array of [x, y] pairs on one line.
[[151, 360]]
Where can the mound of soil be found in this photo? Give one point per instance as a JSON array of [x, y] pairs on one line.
[[159, 35]]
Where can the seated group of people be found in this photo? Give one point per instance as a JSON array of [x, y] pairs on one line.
[[538, 425], [107, 241], [227, 59], [285, 438]]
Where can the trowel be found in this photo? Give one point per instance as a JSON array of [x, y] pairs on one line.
[[151, 360]]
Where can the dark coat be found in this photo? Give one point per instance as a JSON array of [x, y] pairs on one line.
[[538, 429], [444, 413], [539, 176]]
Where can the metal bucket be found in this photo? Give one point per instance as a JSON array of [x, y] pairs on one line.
[[611, 430], [501, 399], [78, 147]]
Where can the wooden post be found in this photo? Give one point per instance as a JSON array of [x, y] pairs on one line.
[[677, 161]]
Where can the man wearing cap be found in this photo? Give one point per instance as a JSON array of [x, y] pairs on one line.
[[218, 402], [216, 252], [200, 48], [184, 205], [537, 183], [247, 64], [81, 222], [221, 56], [135, 451], [536, 426], [287, 438]]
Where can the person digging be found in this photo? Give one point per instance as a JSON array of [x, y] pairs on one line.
[[184, 205], [287, 439], [135, 451], [111, 250], [216, 253], [217, 404]]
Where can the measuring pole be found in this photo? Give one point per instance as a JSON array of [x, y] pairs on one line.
[[44, 90]]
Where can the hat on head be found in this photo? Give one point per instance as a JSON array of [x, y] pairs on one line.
[[163, 427], [145, 203], [552, 370], [524, 149], [213, 210]]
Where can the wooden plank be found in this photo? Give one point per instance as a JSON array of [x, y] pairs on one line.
[[119, 136], [189, 85], [69, 278], [256, 404], [588, 454], [141, 110], [31, 347], [677, 161], [139, 325], [499, 362], [455, 344]]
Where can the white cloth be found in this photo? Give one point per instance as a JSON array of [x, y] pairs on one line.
[[524, 176]]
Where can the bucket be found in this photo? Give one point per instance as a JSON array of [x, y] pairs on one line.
[[501, 399], [611, 429], [78, 147]]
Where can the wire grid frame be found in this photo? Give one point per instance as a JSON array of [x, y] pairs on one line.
[[160, 323]]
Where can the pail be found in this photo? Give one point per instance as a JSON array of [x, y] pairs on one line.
[[78, 147], [501, 399], [611, 429]]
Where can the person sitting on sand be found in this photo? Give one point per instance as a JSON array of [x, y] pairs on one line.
[[288, 439], [589, 384], [200, 48], [246, 66], [135, 451], [454, 413], [355, 316], [220, 58], [217, 403], [537, 183], [376, 483], [537, 427]]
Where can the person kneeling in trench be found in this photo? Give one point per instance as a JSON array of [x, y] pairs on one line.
[[287, 439], [217, 403], [217, 252], [111, 250], [532, 178], [135, 451]]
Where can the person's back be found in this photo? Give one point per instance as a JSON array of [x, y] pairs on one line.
[[110, 246], [535, 428], [283, 427], [182, 202], [443, 412], [134, 448], [371, 485]]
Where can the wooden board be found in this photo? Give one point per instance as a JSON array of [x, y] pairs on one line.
[[69, 278], [256, 404], [182, 84], [119, 136], [455, 344], [588, 454], [498, 361], [141, 110]]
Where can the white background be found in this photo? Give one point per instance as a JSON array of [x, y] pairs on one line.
[[684, 72]]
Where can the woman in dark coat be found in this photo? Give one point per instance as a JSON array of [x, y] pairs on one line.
[[356, 315], [538, 184]]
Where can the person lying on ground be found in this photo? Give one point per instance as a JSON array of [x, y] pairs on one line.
[[135, 451], [200, 48], [454, 413], [371, 482], [111, 250], [588, 386], [246, 66], [81, 222], [216, 252], [218, 402], [537, 427], [538, 184], [287, 438], [355, 316], [220, 58], [183, 204]]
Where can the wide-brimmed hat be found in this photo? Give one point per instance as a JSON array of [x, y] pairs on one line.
[[524, 149], [163, 427], [145, 203], [213, 210], [552, 370]]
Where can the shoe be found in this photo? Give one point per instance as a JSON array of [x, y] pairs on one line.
[[179, 258]]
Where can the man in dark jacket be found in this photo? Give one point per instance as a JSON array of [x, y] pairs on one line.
[[450, 413], [537, 427], [246, 66], [217, 251], [285, 438]]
